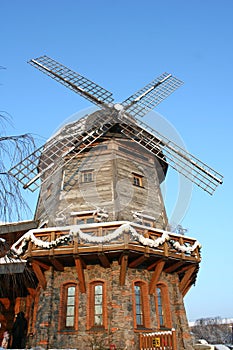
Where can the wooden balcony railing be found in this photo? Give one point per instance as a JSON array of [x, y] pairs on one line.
[[110, 235]]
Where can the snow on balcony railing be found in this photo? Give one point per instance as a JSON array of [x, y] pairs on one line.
[[106, 234]]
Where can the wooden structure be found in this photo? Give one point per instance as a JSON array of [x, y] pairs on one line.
[[121, 241], [158, 340], [103, 270], [103, 212]]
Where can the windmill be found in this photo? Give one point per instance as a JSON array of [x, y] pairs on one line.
[[46, 160], [100, 209]]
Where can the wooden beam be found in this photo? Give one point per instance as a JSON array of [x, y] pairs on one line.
[[5, 302], [39, 274], [185, 291], [41, 264], [104, 260], [56, 264], [80, 273], [184, 268], [32, 292], [174, 267], [156, 275], [153, 265], [123, 269], [186, 278], [139, 260]]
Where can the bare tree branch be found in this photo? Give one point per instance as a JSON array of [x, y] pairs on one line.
[[13, 149]]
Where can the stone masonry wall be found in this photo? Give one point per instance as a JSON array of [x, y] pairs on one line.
[[120, 327]]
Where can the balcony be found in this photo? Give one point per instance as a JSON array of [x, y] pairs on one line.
[[132, 245]]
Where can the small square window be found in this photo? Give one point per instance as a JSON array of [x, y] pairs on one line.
[[148, 223], [137, 180], [87, 176], [90, 220]]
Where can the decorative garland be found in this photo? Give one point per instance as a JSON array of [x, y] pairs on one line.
[[184, 249], [29, 237], [77, 234]]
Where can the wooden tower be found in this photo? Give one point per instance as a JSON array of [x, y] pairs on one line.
[[102, 268]]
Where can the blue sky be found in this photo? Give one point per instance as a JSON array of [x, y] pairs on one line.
[[123, 45]]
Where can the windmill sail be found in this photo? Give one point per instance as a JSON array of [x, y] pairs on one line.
[[73, 80], [179, 159], [45, 161], [146, 99]]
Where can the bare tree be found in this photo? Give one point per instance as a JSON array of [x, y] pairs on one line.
[[12, 150], [213, 330]]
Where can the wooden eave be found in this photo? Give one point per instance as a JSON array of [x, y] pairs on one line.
[[11, 232], [20, 227]]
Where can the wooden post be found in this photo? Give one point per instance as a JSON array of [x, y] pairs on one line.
[[174, 344]]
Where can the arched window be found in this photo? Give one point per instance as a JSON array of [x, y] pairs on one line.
[[97, 305], [141, 305], [162, 306], [68, 319]]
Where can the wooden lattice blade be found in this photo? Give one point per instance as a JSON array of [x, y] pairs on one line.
[[151, 95], [185, 163], [73, 80], [48, 159]]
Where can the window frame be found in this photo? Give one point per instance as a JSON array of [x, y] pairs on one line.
[[85, 219], [137, 180], [160, 306], [139, 310], [163, 314], [91, 305], [145, 309], [85, 174], [62, 327]]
